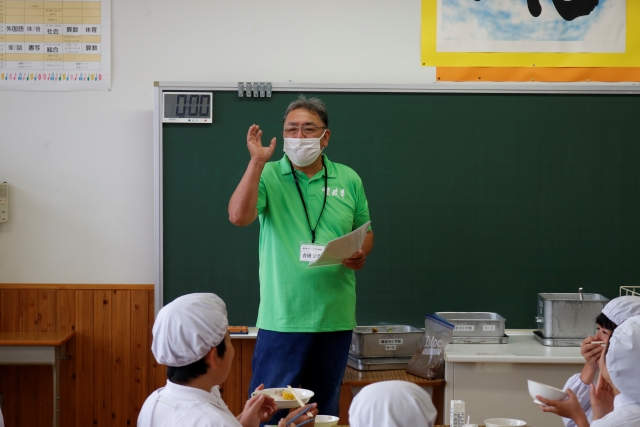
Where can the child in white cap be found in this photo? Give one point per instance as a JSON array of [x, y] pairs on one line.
[[392, 404], [616, 399], [190, 336], [620, 368], [613, 314]]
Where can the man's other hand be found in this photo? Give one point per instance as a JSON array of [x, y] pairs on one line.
[[356, 262]]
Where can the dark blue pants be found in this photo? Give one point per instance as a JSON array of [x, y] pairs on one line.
[[314, 361]]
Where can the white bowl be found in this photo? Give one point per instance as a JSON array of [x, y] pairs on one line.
[[501, 422], [546, 391], [281, 403], [326, 420]]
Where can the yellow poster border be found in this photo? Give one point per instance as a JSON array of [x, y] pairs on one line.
[[431, 58]]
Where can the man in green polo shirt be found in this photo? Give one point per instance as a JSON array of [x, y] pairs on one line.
[[303, 201]]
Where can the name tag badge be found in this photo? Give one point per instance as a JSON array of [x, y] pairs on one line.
[[310, 251]]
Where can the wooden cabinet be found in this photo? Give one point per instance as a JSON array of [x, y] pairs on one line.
[[235, 389]]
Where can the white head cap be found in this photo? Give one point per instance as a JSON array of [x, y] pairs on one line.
[[620, 309], [187, 328], [392, 404], [623, 356]]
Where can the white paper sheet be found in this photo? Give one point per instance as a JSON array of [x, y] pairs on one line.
[[342, 247]]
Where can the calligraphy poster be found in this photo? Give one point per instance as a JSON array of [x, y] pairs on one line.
[[50, 45]]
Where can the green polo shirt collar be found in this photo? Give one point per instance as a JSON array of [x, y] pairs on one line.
[[285, 167]]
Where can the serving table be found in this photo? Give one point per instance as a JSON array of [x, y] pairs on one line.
[[492, 378], [36, 348]]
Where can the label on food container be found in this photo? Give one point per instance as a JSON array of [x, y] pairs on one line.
[[488, 327], [466, 328], [391, 341]]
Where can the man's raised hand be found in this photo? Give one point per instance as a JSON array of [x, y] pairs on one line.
[[258, 152]]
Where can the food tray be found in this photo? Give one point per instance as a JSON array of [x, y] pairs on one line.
[[388, 341], [378, 363], [481, 340], [475, 324], [557, 342]]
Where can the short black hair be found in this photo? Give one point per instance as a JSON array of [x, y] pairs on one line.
[[605, 322], [183, 374], [313, 105]]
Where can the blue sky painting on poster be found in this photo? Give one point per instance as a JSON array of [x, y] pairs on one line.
[[590, 26]]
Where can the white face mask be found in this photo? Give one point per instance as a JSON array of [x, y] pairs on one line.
[[303, 151]]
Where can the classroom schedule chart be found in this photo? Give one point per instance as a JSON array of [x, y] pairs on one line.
[[59, 43]]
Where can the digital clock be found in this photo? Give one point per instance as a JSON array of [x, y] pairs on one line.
[[187, 107]]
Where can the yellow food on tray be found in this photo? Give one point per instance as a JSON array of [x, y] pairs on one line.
[[287, 395]]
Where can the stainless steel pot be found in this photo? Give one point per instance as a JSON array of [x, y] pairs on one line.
[[569, 315]]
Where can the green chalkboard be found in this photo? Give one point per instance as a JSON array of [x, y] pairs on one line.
[[478, 201]]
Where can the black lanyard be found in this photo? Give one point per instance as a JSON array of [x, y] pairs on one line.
[[304, 205]]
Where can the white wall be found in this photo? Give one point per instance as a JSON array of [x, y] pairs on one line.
[[80, 165]]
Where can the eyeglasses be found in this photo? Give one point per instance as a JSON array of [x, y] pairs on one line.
[[306, 130]]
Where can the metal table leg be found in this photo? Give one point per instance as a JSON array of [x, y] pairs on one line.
[[56, 384]]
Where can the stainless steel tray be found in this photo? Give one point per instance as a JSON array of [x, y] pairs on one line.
[[475, 324], [557, 342], [378, 363], [481, 340], [388, 341]]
